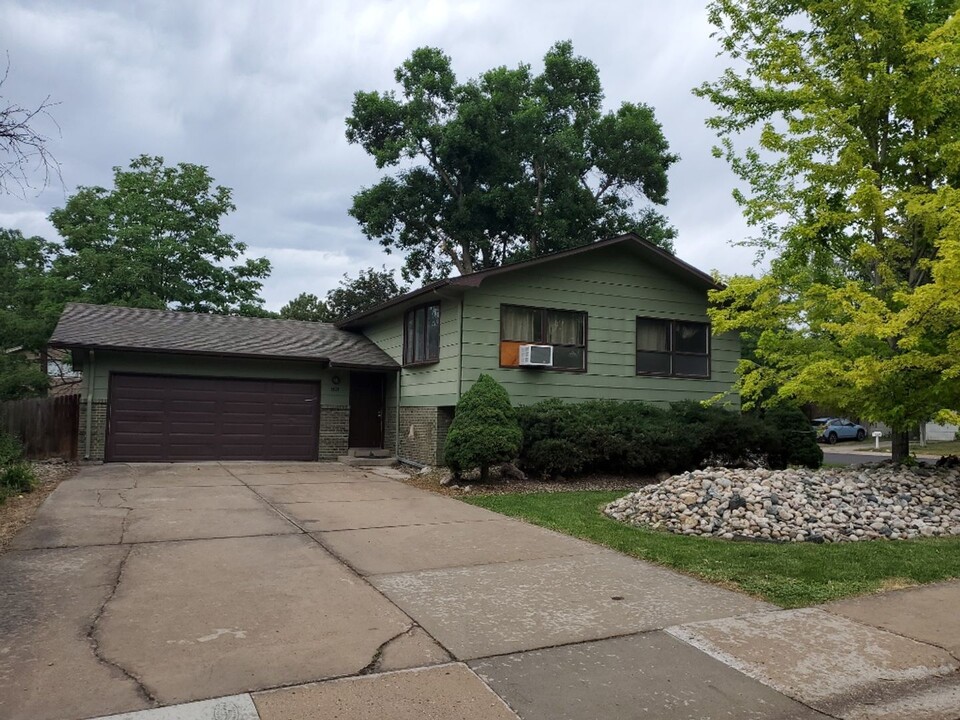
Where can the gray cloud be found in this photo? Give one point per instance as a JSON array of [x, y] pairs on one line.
[[259, 91]]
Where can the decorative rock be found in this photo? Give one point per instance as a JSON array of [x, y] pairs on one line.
[[799, 505]]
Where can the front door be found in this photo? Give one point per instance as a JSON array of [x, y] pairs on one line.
[[366, 410]]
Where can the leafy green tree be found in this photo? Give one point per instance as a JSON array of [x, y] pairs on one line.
[[484, 431], [305, 306], [31, 295], [509, 165], [371, 287], [31, 298], [155, 241], [854, 187]]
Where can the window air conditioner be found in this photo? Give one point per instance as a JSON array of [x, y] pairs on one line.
[[536, 355]]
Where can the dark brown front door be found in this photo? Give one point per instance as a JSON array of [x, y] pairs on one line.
[[366, 410], [157, 418]]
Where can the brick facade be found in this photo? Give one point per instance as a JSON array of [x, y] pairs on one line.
[[423, 432], [418, 434], [334, 431], [98, 429], [390, 428], [444, 421]]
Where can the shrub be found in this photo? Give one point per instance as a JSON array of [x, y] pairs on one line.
[[16, 475], [484, 429], [792, 442], [636, 438], [11, 451]]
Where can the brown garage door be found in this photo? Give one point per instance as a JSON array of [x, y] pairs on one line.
[[155, 418]]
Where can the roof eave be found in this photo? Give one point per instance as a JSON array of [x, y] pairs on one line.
[[70, 345]]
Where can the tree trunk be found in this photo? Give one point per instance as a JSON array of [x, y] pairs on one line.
[[484, 473], [901, 445]]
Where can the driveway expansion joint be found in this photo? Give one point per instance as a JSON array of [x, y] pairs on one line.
[[142, 689]]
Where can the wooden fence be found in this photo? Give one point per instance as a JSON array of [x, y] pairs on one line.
[[48, 427]]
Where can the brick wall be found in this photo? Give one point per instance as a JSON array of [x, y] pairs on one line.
[[444, 420], [334, 431], [98, 429], [418, 434], [390, 428]]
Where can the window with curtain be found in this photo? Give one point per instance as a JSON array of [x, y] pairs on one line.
[[421, 335], [565, 330], [673, 347]]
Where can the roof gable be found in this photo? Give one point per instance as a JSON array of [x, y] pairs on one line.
[[658, 256]]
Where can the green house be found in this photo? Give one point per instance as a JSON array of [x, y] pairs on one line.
[[618, 319]]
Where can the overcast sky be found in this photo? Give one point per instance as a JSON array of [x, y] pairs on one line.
[[258, 92]]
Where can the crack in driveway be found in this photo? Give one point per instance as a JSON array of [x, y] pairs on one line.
[[142, 689]]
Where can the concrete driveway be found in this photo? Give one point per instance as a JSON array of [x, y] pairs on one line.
[[288, 591]]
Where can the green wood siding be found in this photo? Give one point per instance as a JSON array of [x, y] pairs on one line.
[[331, 393], [430, 385], [613, 287]]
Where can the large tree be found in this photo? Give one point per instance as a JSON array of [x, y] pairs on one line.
[[155, 240], [30, 301], [511, 164], [854, 188], [370, 287]]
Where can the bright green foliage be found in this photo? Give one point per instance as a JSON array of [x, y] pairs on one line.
[[484, 429], [154, 240], [855, 190], [505, 166]]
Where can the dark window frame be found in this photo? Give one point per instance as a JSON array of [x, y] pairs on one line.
[[543, 311], [409, 350], [671, 334]]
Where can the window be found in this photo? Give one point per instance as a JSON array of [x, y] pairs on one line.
[[673, 347], [565, 330], [421, 335]]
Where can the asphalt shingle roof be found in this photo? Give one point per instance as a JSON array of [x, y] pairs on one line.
[[120, 328]]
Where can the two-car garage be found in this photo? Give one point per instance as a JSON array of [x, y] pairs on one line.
[[157, 418], [171, 386]]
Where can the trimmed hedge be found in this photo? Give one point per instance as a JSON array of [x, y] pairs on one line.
[[636, 438]]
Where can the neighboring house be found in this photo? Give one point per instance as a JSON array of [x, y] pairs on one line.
[[621, 318], [56, 363]]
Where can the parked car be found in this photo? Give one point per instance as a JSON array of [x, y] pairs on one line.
[[832, 430]]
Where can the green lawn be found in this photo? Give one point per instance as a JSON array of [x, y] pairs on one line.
[[789, 575]]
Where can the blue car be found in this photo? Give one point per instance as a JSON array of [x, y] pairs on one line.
[[833, 430]]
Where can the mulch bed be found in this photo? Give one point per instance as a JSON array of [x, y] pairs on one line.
[[19, 510], [471, 486]]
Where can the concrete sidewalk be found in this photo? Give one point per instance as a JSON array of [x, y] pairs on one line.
[[281, 591]]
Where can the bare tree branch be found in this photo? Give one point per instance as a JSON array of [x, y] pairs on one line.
[[23, 149]]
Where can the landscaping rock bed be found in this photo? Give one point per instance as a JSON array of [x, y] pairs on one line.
[[836, 505]]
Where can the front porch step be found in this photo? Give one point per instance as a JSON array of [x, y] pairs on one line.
[[369, 452], [379, 461]]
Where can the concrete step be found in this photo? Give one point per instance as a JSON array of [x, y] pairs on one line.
[[367, 461], [369, 452]]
